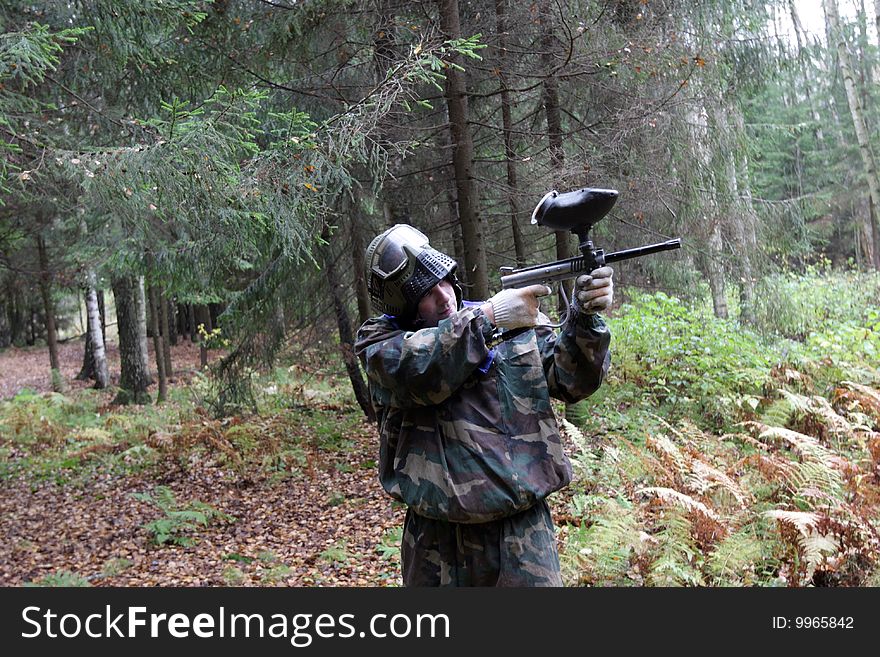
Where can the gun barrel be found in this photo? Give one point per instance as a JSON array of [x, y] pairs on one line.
[[555, 271], [571, 267], [626, 254]]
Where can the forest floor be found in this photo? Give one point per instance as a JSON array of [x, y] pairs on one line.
[[327, 524]]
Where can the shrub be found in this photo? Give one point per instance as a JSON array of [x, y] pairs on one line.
[[795, 305], [685, 358]]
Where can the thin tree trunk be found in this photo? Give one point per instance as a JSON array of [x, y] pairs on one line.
[[49, 309], [100, 371], [203, 319], [165, 328], [141, 298], [5, 335], [738, 220], [133, 381], [358, 266], [859, 126], [806, 81], [457, 242], [463, 162], [553, 115], [17, 325], [32, 337], [346, 337], [716, 271], [507, 127], [103, 313], [158, 349], [877, 17], [173, 323], [748, 220], [865, 65], [193, 326], [215, 310], [87, 371], [182, 319]]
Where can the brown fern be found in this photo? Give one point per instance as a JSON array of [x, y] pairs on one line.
[[861, 397]]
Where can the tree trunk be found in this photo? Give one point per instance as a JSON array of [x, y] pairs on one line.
[[173, 323], [805, 82], [5, 335], [866, 70], [507, 127], [15, 315], [133, 381], [49, 309], [553, 115], [182, 319], [463, 161], [358, 266], [716, 271], [877, 16], [32, 336], [100, 372], [746, 221], [203, 319], [141, 299], [158, 349], [165, 328], [87, 371], [457, 243], [103, 312], [191, 320], [346, 337], [215, 309], [859, 125]]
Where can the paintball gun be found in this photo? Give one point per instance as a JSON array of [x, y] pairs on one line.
[[577, 211]]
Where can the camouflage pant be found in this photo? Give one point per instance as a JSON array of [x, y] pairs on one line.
[[519, 550]]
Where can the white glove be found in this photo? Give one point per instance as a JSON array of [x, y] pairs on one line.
[[517, 307], [594, 292]]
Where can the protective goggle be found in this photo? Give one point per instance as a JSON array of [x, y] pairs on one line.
[[390, 257]]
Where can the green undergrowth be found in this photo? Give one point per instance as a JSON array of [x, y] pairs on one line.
[[719, 454], [305, 421]]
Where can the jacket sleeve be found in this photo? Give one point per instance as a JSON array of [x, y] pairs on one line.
[[577, 358], [426, 366]]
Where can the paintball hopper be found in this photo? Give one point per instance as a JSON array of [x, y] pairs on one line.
[[576, 211]]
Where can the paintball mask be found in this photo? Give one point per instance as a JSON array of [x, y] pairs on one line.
[[402, 268]]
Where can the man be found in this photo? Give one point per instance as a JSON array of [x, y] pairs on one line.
[[468, 438]]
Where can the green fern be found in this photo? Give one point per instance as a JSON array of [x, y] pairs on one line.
[[677, 560], [740, 558], [602, 553], [778, 414], [814, 480], [179, 523]]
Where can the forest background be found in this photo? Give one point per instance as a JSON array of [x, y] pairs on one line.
[[187, 190]]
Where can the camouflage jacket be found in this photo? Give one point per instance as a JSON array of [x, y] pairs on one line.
[[468, 433]]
